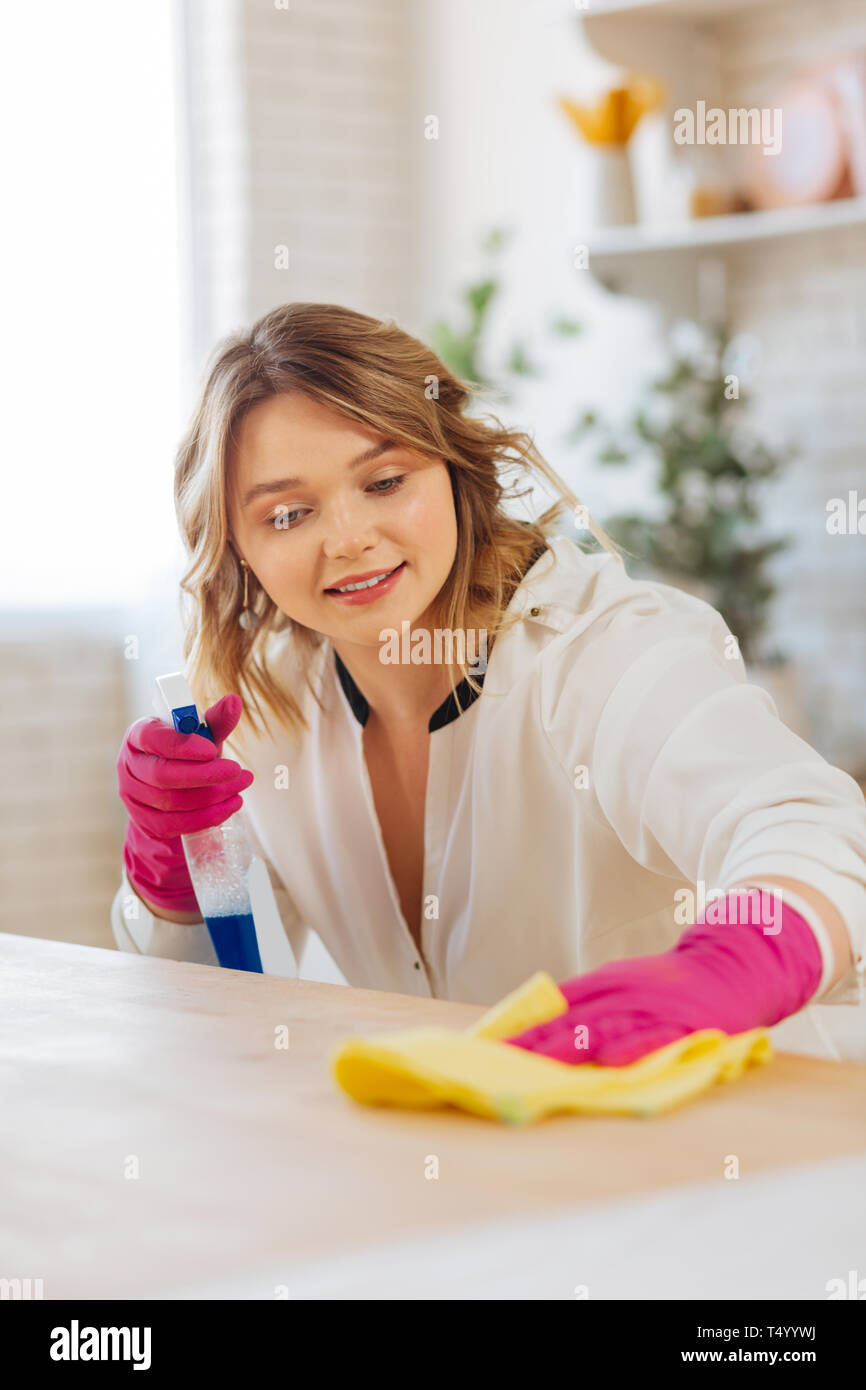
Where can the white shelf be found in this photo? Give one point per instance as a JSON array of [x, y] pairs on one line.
[[719, 232], [692, 10], [682, 266]]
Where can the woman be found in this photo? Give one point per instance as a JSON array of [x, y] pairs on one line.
[[469, 749]]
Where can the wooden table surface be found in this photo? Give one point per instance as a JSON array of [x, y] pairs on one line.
[[246, 1154]]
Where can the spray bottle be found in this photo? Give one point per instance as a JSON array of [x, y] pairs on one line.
[[227, 877]]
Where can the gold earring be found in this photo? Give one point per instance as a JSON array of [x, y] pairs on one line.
[[248, 619]]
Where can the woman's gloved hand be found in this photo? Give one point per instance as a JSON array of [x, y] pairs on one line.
[[749, 961], [172, 784]]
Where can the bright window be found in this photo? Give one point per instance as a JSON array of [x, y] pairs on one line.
[[92, 308]]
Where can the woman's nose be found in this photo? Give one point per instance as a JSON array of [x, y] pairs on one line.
[[346, 531]]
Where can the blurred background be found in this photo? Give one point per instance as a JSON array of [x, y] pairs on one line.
[[642, 226]]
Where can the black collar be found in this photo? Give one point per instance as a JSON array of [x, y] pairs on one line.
[[452, 706], [449, 709]]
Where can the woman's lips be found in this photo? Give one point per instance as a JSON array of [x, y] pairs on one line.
[[369, 595]]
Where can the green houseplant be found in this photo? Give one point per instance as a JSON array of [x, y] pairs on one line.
[[706, 538], [462, 346]]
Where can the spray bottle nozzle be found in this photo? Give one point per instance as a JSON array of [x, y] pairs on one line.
[[174, 704]]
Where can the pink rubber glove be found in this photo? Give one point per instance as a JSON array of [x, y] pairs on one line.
[[172, 784], [749, 961]]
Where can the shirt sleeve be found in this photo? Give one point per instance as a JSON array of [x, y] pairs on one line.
[[140, 931], [137, 929], [699, 778]]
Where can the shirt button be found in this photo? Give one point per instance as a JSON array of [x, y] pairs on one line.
[[417, 965], [534, 612]]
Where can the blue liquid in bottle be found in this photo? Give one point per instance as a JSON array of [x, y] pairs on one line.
[[218, 857], [234, 940]]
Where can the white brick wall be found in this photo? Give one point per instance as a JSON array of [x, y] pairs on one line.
[[62, 716], [331, 175], [301, 135], [805, 300]]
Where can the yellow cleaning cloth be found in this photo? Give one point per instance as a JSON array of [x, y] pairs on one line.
[[427, 1068]]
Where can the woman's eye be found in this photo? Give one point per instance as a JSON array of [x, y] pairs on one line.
[[387, 485], [283, 519]]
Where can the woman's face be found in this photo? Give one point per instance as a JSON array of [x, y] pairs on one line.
[[309, 512]]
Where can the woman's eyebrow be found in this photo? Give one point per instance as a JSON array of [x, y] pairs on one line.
[[283, 484]]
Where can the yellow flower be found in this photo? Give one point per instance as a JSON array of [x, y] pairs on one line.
[[614, 116]]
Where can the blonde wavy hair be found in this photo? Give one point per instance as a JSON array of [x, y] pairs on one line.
[[374, 372]]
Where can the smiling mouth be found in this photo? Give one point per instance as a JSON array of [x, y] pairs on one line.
[[366, 583]]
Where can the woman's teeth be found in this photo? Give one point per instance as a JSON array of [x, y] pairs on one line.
[[365, 584]]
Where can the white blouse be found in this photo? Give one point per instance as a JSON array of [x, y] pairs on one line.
[[616, 771]]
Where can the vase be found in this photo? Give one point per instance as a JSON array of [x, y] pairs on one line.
[[613, 202]]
